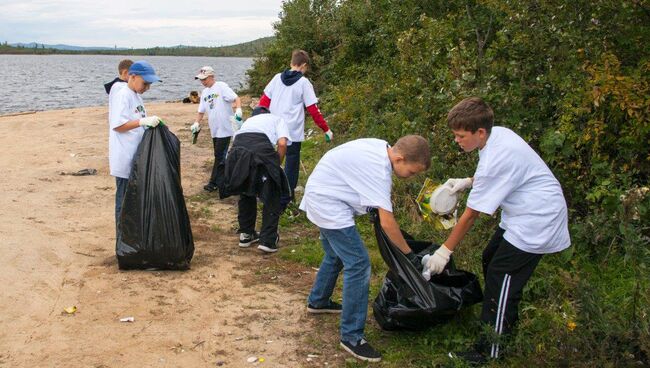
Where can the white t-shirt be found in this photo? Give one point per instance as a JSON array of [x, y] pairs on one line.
[[512, 176], [217, 101], [289, 103], [346, 181], [123, 105], [272, 125]]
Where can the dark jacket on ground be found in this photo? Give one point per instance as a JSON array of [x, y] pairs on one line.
[[253, 168]]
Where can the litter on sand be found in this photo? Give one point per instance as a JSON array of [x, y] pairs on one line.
[[82, 172], [127, 319]]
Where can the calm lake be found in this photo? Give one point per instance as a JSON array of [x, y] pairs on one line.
[[47, 82]]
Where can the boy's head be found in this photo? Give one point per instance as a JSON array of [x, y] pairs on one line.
[[471, 121], [410, 156], [141, 75], [300, 60], [123, 69]]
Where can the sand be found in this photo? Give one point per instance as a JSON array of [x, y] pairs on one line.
[[57, 240]]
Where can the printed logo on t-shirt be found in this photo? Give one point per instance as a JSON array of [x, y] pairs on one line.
[[140, 110], [210, 99]]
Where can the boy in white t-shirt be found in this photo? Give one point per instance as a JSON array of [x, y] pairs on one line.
[[347, 181], [127, 119], [253, 170], [511, 176], [287, 95], [216, 100]]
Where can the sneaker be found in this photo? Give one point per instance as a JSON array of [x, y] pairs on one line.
[[362, 350], [210, 188], [245, 240], [471, 356], [331, 307], [268, 247]]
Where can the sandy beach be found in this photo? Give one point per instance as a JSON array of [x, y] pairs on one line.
[[58, 251]]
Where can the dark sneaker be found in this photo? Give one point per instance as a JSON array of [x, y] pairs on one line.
[[245, 240], [331, 307], [210, 188], [362, 350], [471, 356], [268, 247]]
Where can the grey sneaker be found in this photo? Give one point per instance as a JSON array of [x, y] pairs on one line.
[[362, 350], [245, 240]]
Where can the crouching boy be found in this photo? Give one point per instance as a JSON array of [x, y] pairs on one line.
[[253, 169], [345, 183]]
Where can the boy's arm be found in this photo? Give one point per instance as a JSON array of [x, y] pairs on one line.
[[265, 101], [315, 113], [391, 228], [282, 148], [465, 223]]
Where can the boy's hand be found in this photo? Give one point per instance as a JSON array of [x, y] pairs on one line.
[[457, 185], [195, 128], [329, 135], [238, 114], [150, 121], [439, 260]]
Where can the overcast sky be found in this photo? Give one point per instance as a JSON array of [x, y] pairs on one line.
[[137, 23]]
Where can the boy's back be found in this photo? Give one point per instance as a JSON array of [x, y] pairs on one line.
[[290, 92], [347, 180]]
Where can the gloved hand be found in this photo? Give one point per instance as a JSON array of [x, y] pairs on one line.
[[415, 260], [238, 114], [438, 260], [149, 121], [459, 184], [329, 135], [195, 128]]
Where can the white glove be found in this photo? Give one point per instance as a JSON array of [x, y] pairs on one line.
[[149, 121], [329, 135], [195, 128], [426, 273], [238, 114], [457, 185], [438, 260]]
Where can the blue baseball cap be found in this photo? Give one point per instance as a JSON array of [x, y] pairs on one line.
[[145, 70]]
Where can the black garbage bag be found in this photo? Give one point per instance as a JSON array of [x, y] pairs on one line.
[[154, 228], [406, 300]]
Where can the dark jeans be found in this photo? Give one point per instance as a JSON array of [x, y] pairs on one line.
[[120, 192], [506, 269], [248, 215], [220, 150], [292, 170]]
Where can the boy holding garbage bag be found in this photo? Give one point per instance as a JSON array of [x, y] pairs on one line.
[[347, 181], [510, 176], [127, 119]]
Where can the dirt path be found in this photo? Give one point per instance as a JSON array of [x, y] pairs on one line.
[[57, 240]]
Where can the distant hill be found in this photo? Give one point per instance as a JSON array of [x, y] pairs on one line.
[[33, 45], [246, 49]]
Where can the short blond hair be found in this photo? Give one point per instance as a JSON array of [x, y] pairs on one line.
[[414, 149]]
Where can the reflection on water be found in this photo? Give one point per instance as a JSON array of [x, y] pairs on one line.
[[46, 82]]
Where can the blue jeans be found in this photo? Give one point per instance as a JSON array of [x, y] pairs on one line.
[[120, 192], [220, 151], [292, 170], [344, 249]]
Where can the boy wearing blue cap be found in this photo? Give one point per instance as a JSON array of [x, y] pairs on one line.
[[127, 119]]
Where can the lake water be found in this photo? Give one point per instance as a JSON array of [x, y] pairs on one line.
[[47, 82]]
